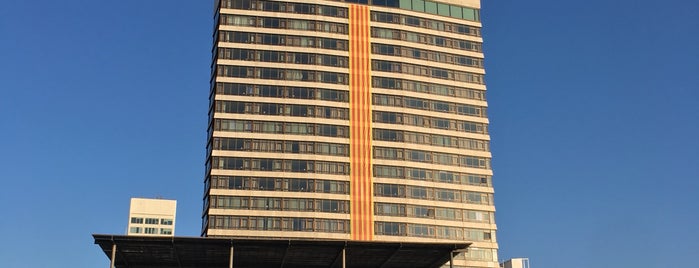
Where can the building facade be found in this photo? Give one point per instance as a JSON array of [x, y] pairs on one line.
[[152, 217], [352, 120]]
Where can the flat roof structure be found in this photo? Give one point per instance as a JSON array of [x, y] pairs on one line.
[[185, 252]]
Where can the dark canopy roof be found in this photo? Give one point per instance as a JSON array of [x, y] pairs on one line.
[[161, 252]]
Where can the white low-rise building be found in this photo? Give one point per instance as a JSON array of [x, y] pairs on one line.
[[152, 217]]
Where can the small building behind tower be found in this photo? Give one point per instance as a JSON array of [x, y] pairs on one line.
[[516, 263], [152, 217]]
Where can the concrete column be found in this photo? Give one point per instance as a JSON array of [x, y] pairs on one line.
[[230, 260], [112, 262], [344, 261]]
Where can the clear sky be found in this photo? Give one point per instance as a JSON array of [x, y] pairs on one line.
[[594, 108]]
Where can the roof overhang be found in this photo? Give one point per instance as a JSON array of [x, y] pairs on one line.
[[181, 252]]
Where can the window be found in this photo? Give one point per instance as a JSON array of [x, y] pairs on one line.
[[418, 192], [431, 7], [446, 195], [329, 205], [136, 220], [390, 228], [417, 174], [149, 230], [267, 183], [427, 71], [443, 9], [431, 175], [152, 221], [165, 231], [423, 212], [450, 233], [477, 216], [418, 5], [390, 209], [166, 221], [476, 198], [324, 186], [300, 185], [448, 214], [390, 190], [434, 40], [135, 230], [421, 230], [415, 86], [481, 254]]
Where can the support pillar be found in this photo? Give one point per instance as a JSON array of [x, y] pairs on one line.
[[230, 259], [112, 262], [451, 259], [344, 261]]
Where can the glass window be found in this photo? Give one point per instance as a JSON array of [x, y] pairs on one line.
[[329, 205], [443, 9], [456, 12], [165, 231], [418, 5], [418, 192], [152, 221], [299, 165], [431, 7], [235, 183], [266, 183], [423, 212], [395, 3], [469, 14], [446, 195], [166, 221], [299, 185], [390, 228], [136, 220], [421, 230], [446, 176]]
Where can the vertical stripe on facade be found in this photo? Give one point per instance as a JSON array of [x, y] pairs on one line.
[[361, 187]]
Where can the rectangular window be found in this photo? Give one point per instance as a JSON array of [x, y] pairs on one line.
[[165, 231], [418, 5], [421, 230], [390, 228], [470, 14], [300, 185], [166, 221], [135, 230], [418, 192], [152, 221], [456, 12], [431, 7], [443, 9], [136, 220], [390, 209]]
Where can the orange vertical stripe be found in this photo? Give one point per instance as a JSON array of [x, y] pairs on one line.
[[361, 187]]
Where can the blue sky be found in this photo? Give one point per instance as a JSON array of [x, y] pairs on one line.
[[594, 108]]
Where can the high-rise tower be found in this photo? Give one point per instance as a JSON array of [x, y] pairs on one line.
[[352, 120]]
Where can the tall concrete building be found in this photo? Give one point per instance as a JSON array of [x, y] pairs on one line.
[[152, 217], [350, 120]]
